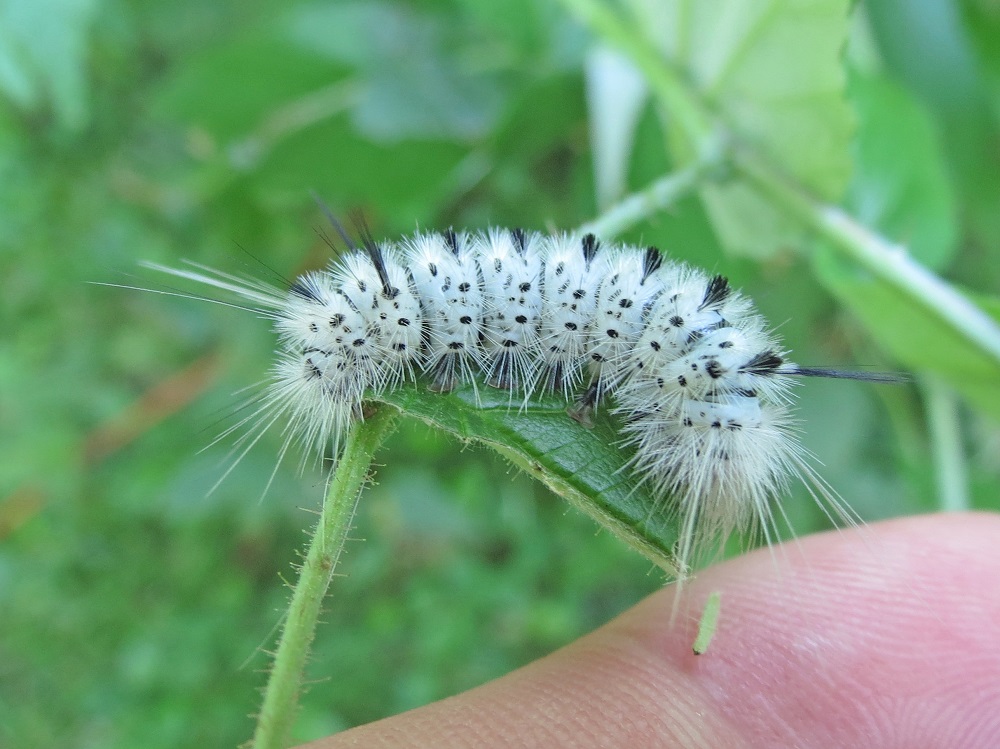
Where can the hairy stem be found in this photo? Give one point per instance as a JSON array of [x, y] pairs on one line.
[[659, 195], [946, 445], [883, 258], [281, 694]]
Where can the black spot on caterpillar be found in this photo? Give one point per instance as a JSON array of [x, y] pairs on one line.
[[701, 386]]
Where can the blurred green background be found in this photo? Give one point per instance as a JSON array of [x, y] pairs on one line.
[[133, 607]]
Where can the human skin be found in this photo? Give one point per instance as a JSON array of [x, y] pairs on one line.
[[883, 637]]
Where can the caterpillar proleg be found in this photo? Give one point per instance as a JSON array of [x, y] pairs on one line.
[[701, 386]]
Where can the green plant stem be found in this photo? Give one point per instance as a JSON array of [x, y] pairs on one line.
[[946, 445], [688, 112], [277, 713], [661, 194], [884, 259]]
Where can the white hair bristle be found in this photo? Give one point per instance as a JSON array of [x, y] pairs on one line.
[[702, 387]]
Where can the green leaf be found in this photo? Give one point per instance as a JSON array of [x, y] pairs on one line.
[[585, 466], [772, 71], [231, 88], [416, 80], [942, 52], [516, 28], [405, 179], [912, 333], [990, 305], [43, 51], [982, 25], [901, 185]]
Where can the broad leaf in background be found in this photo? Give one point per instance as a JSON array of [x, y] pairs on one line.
[[405, 67], [585, 466], [901, 188], [982, 19], [944, 59], [773, 71], [915, 336], [901, 184], [43, 51], [230, 89], [414, 82]]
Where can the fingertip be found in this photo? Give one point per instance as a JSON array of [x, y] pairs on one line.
[[881, 638], [856, 638]]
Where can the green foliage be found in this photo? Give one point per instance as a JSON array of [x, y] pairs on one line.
[[901, 184], [583, 465], [43, 50], [772, 72], [131, 600], [901, 187]]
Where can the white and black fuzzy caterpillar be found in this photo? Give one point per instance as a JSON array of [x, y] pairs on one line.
[[702, 386]]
